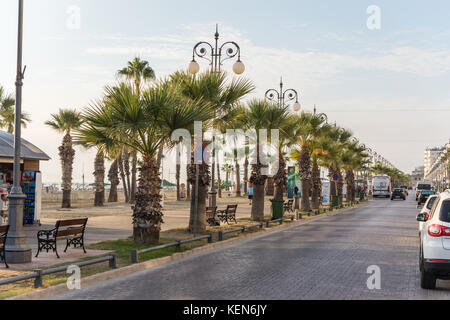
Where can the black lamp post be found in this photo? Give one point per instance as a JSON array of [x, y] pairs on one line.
[[282, 97], [216, 55], [16, 247]]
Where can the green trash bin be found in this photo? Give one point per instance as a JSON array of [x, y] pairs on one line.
[[334, 201], [277, 208]]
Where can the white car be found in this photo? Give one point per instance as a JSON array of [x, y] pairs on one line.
[[434, 259], [426, 209]]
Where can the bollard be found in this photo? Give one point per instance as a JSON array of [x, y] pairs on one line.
[[178, 244], [134, 256], [292, 218], [112, 261], [281, 221], [243, 229], [220, 236], [38, 279], [261, 225], [267, 224], [210, 238], [309, 213]]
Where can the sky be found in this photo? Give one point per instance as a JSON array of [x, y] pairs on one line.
[[385, 79]]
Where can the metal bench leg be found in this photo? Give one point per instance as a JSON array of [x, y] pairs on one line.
[[39, 249], [67, 245], [82, 243], [4, 257], [56, 250]]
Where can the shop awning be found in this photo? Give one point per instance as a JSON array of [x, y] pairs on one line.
[[27, 151]]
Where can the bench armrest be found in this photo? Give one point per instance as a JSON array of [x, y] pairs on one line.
[[46, 233]]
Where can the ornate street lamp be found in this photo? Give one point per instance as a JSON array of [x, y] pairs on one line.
[[16, 248], [216, 55], [282, 97]]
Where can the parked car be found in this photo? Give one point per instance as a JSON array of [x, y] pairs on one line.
[[434, 256], [423, 196], [398, 193], [426, 209], [405, 189], [422, 185]]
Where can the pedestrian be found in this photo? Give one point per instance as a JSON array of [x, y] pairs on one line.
[[250, 192], [3, 206]]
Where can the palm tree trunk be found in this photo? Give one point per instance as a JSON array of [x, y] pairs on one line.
[[269, 186], [113, 177], [147, 211], [316, 186], [219, 181], [258, 180], [126, 165], [188, 185], [177, 177], [67, 154], [304, 162], [197, 218], [246, 175], [99, 176], [280, 178], [159, 157], [133, 176], [340, 186], [238, 179], [122, 176]]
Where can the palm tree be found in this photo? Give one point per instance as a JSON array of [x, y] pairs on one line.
[[94, 133], [260, 114], [113, 177], [213, 89], [7, 112], [227, 168], [138, 71], [64, 122], [145, 124], [310, 126]]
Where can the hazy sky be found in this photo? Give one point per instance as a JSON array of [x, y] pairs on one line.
[[388, 85]]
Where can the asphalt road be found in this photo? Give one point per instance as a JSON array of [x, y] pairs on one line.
[[324, 259]]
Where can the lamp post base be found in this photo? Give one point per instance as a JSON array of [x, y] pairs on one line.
[[20, 255], [212, 198], [16, 247]]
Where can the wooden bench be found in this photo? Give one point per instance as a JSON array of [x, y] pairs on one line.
[[3, 235], [70, 230], [228, 214], [287, 206], [211, 216]]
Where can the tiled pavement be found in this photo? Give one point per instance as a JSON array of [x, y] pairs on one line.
[[324, 259]]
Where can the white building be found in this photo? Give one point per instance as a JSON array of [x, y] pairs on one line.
[[430, 156]]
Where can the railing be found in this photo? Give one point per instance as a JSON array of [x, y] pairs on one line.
[[242, 229], [39, 273], [268, 222], [177, 243]]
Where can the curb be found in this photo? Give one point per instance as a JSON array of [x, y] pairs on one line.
[[123, 271]]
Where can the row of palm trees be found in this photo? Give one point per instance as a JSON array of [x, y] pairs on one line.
[[136, 118]]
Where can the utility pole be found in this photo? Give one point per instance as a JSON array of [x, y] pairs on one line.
[[16, 247]]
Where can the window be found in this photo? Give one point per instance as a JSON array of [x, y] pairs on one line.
[[433, 208], [431, 202], [445, 211]]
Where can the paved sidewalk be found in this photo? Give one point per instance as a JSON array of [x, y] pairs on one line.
[[324, 259]]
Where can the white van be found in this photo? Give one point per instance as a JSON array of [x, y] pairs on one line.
[[381, 186]]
